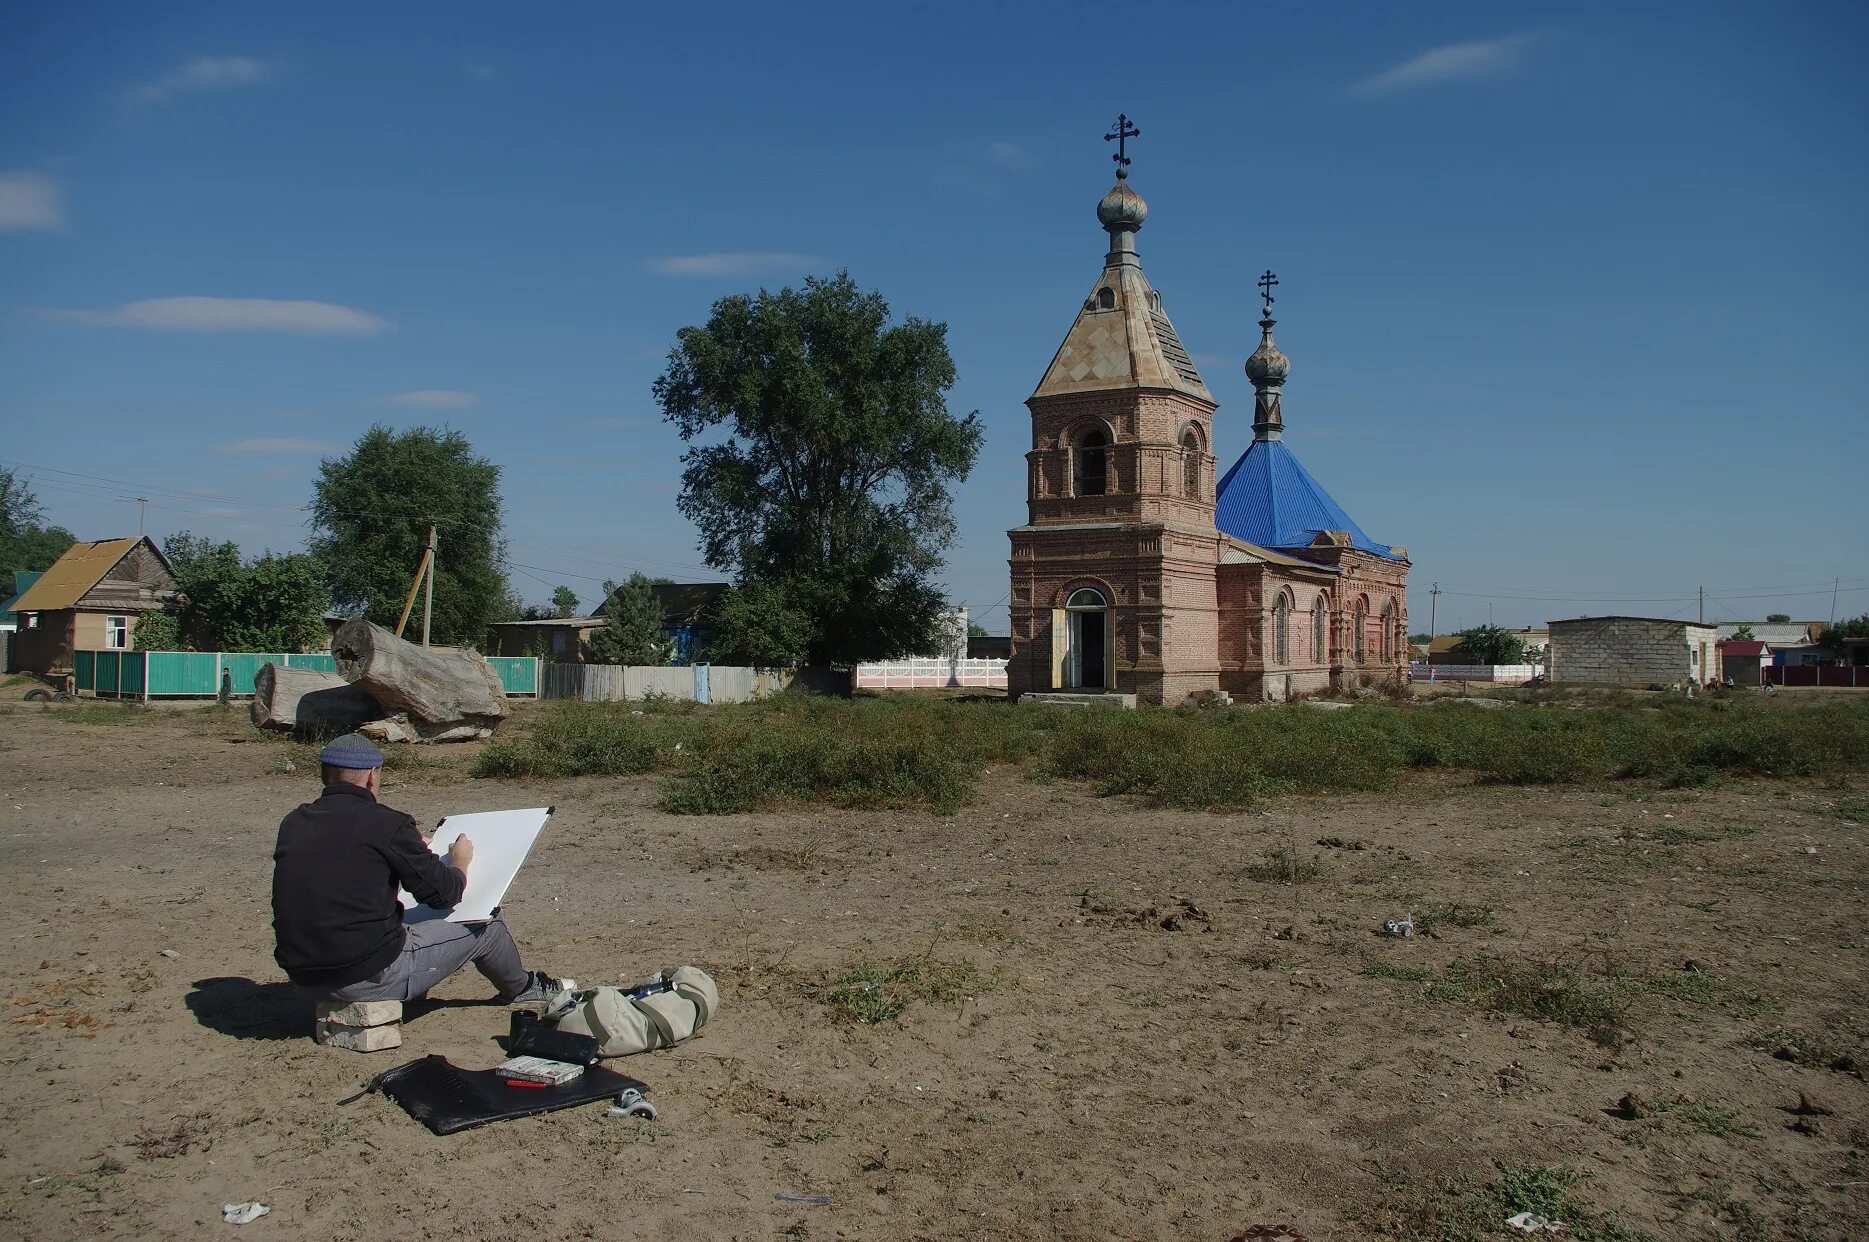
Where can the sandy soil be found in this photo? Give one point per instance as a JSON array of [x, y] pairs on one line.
[[1168, 1047]]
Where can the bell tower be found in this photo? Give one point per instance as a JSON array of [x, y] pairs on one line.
[[1113, 574]]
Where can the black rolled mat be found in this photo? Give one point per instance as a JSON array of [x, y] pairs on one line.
[[446, 1098]]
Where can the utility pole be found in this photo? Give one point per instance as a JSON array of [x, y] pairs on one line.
[[1703, 605], [1834, 583], [142, 508], [1434, 603], [428, 589]]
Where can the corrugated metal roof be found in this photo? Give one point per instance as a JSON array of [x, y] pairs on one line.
[[74, 573], [1269, 499]]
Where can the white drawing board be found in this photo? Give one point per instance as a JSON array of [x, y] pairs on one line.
[[502, 839]]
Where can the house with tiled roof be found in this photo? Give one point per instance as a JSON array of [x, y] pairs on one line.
[[1139, 571], [89, 600]]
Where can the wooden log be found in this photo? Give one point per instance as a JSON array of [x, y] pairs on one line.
[[308, 700], [431, 687]]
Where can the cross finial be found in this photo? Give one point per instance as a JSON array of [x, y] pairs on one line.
[[1120, 133], [1267, 283]]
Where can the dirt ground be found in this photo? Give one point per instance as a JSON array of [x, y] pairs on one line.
[[1167, 1042]]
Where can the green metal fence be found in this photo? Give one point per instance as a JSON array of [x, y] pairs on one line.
[[197, 674]]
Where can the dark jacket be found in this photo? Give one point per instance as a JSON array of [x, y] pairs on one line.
[[336, 869]]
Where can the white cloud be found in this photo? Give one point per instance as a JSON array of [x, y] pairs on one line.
[[1008, 155], [196, 314], [435, 398], [274, 447], [1489, 58], [203, 75], [30, 200], [730, 263]]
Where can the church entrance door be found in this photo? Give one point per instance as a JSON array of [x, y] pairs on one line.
[[1087, 629]]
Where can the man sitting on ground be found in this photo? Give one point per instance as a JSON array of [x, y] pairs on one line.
[[336, 918]]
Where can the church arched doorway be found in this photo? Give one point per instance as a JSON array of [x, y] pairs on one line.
[[1086, 664]]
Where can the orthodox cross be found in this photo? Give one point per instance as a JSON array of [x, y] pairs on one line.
[[1266, 284], [1120, 133]]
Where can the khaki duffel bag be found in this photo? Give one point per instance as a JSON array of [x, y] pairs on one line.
[[624, 1024]]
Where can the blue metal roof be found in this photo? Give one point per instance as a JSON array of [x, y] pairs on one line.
[[1269, 499]]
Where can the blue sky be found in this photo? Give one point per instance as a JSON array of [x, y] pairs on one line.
[[1573, 294]]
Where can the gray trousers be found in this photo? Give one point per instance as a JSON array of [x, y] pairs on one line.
[[432, 951]]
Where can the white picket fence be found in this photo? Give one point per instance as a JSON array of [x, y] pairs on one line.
[[931, 673], [1498, 674], [707, 683]]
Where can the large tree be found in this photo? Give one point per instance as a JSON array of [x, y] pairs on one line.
[[372, 509], [1489, 644], [821, 454], [26, 542], [275, 602]]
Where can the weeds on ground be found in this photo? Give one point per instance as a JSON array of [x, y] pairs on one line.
[[1453, 915], [1695, 987], [1404, 974], [1284, 865], [1708, 1118], [1855, 810], [872, 994], [1842, 1045], [903, 751], [101, 713], [1461, 1211], [1555, 991]]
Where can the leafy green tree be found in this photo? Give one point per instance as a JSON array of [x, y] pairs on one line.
[[1833, 636], [275, 602], [1489, 644], [830, 490], [1743, 634], [758, 625], [26, 542], [632, 629], [1421, 640], [565, 600], [372, 509], [157, 630], [1778, 618]]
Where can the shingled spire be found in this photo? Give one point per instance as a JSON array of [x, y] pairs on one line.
[[1122, 338]]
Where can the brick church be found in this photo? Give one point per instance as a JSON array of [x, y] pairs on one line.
[[1141, 570]]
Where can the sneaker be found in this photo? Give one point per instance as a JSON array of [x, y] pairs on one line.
[[539, 990]]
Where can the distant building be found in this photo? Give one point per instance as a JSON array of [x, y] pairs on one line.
[[1632, 651], [1143, 570], [564, 640], [688, 615], [1741, 660], [989, 646], [89, 600], [1774, 633]]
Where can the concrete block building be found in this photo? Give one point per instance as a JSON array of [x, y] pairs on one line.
[[1142, 571], [1633, 651]]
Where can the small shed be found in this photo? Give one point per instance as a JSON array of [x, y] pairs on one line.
[[1633, 651], [89, 600], [1741, 659]]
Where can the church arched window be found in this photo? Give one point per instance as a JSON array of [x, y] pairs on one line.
[[1320, 630], [1281, 629], [1106, 298], [1388, 631], [1090, 462], [1360, 636], [1191, 464]]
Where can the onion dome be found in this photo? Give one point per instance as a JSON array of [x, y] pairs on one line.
[[1268, 366], [1122, 209]]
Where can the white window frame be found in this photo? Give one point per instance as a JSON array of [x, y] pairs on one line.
[[117, 629]]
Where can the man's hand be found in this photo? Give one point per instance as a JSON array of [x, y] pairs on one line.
[[460, 854]]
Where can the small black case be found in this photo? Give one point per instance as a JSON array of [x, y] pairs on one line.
[[528, 1037]]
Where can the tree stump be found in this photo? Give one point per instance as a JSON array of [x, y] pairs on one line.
[[308, 700], [432, 688]]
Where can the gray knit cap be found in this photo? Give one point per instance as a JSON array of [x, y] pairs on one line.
[[353, 750]]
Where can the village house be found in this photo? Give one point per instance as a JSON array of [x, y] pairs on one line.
[[562, 640], [89, 600], [1140, 569]]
